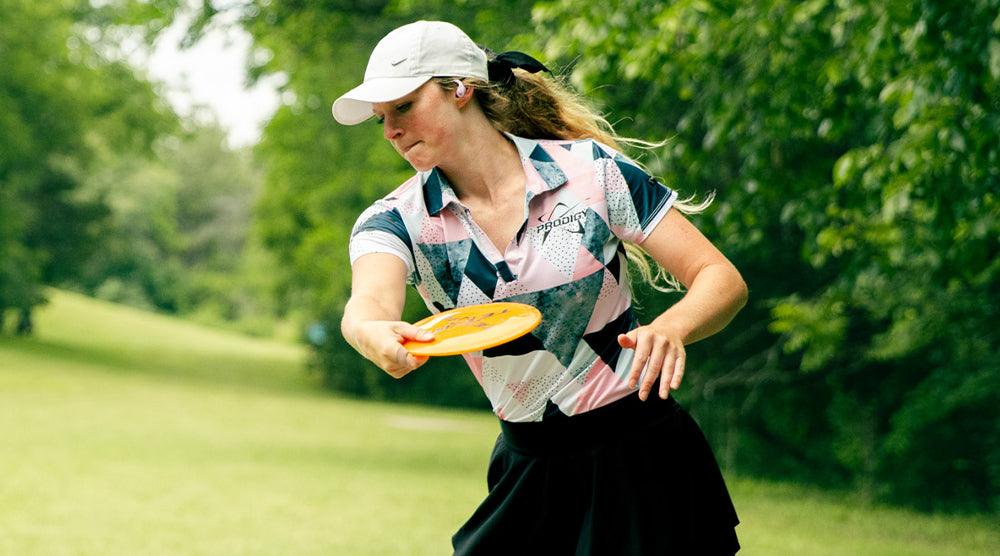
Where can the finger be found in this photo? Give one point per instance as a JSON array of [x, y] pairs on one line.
[[418, 361], [675, 383], [393, 367], [627, 341], [410, 332], [402, 357], [639, 360], [653, 368], [413, 361], [404, 363], [667, 374]]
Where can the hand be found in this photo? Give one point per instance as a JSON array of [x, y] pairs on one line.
[[381, 342], [661, 352]]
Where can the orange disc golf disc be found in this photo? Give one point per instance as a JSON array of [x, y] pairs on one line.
[[474, 327]]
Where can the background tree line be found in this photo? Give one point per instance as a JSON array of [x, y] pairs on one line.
[[103, 189], [853, 148]]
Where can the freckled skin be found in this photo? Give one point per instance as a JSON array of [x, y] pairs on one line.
[[420, 125]]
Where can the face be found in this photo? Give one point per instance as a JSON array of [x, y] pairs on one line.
[[419, 125]]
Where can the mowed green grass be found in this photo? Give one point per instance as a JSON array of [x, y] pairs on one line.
[[125, 432]]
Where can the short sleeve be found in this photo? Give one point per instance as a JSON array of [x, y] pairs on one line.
[[381, 229], [636, 201]]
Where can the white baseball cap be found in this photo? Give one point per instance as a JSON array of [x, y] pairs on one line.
[[405, 59]]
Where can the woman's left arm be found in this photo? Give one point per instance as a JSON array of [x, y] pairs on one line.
[[715, 293]]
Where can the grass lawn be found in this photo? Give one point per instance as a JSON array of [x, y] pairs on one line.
[[130, 433]]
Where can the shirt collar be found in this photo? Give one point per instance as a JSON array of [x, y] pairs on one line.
[[542, 173], [437, 191]]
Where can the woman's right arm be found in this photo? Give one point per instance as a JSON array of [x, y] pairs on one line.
[[371, 317]]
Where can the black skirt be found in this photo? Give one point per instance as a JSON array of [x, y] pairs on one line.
[[630, 478]]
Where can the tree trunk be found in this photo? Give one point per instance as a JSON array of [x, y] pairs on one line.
[[867, 437], [25, 327], [732, 438]]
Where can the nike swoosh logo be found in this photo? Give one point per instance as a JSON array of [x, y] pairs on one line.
[[397, 62]]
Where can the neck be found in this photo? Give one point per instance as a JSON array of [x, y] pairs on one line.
[[484, 165]]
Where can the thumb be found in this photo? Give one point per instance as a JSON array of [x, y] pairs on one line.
[[627, 341], [411, 332]]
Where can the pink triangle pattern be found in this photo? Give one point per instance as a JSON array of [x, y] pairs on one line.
[[610, 304], [586, 264], [601, 386], [520, 390], [430, 231], [475, 362]]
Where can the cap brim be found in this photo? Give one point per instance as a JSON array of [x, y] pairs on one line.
[[355, 106]]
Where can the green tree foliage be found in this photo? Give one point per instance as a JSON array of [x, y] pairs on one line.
[[64, 91], [179, 237], [854, 147]]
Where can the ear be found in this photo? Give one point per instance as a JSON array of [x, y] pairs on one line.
[[463, 93]]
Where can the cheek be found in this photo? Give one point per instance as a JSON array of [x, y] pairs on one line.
[[431, 125], [439, 135], [436, 121], [437, 139]]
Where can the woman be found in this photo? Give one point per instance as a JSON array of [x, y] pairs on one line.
[[521, 195]]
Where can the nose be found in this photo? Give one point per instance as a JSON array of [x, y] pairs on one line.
[[390, 127]]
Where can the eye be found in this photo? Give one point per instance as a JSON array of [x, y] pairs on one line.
[[404, 107], [379, 120]]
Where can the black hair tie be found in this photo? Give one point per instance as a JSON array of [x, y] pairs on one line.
[[501, 67]]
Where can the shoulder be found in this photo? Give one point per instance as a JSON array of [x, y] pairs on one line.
[[580, 160], [592, 155], [408, 197], [394, 209], [584, 150]]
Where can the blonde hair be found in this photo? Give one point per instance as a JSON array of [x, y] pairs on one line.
[[540, 107]]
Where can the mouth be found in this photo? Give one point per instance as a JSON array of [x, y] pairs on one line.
[[407, 149]]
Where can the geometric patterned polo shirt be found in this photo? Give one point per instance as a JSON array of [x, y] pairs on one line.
[[581, 199]]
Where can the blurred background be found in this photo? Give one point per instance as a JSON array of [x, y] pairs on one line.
[[175, 205]]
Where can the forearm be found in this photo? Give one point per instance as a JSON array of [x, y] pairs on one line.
[[714, 297], [365, 308]]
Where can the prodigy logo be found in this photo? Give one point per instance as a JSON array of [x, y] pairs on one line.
[[561, 216]]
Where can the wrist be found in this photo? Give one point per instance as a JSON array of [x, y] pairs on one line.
[[350, 329], [673, 325]]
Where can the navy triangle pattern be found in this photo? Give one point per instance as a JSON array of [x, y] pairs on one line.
[[458, 257], [504, 269], [433, 194], [458, 261], [482, 273], [561, 326], [548, 169], [437, 255], [595, 234], [520, 346], [390, 222], [538, 154], [604, 342], [599, 153], [614, 265], [648, 194]]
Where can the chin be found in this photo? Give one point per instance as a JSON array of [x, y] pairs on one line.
[[420, 165]]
